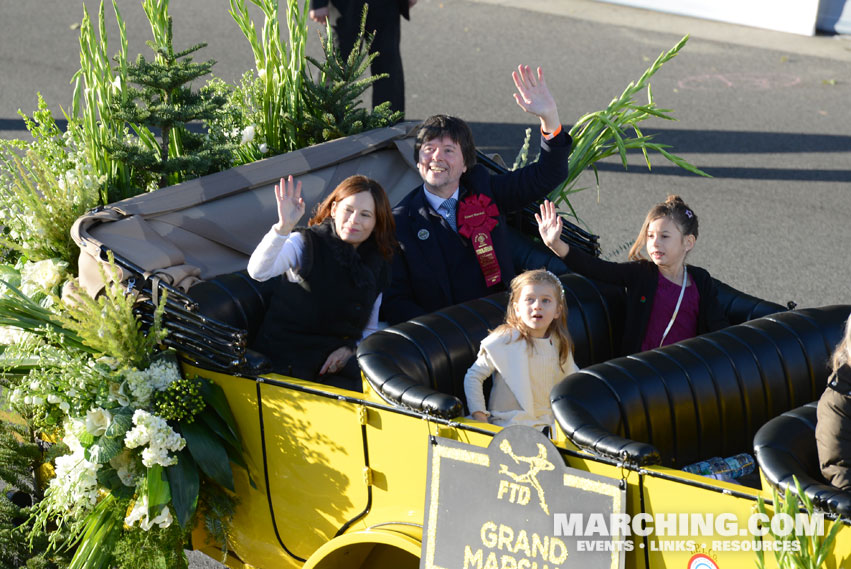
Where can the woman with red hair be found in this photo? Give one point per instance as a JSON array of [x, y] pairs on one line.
[[331, 275]]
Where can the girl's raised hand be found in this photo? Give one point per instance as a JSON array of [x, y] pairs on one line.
[[534, 96], [290, 205], [550, 226]]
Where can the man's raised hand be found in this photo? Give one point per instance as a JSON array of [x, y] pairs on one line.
[[534, 96]]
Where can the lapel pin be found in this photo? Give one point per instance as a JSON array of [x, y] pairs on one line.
[[423, 234]]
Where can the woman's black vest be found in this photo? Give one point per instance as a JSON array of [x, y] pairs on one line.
[[328, 308]]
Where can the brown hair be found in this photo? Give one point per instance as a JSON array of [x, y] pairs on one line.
[[842, 354], [675, 209], [457, 130], [384, 232], [557, 328]]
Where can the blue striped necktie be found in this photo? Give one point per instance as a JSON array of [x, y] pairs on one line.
[[447, 209]]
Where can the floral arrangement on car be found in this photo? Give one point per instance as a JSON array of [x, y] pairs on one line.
[[139, 450]]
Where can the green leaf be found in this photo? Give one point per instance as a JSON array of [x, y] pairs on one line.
[[104, 450], [209, 454], [185, 485], [215, 396], [109, 479], [157, 490], [122, 421], [218, 426]]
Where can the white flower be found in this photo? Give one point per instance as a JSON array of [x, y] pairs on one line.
[[116, 84], [10, 335], [153, 431], [139, 385], [247, 134], [98, 421], [261, 73], [125, 467], [139, 513], [116, 393], [163, 373], [264, 148], [75, 486], [42, 276]]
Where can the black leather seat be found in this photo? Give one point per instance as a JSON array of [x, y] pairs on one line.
[[421, 364], [786, 449], [235, 299], [702, 397]]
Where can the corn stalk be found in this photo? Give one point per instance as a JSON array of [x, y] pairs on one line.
[[97, 84], [280, 67], [605, 133]]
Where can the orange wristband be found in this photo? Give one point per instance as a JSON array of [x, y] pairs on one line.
[[551, 135]]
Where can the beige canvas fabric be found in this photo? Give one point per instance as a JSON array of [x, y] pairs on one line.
[[209, 226]]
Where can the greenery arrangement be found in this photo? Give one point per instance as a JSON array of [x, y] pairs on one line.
[[166, 102], [798, 551], [142, 447], [605, 133]]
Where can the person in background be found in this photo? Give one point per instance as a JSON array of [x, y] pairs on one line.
[[527, 355], [833, 425], [334, 272], [667, 300], [384, 20], [452, 231]]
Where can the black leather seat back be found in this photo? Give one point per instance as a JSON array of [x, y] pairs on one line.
[[235, 299], [786, 449], [702, 397], [430, 354], [740, 307]]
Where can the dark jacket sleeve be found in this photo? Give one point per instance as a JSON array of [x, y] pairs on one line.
[[711, 316], [515, 190], [623, 274]]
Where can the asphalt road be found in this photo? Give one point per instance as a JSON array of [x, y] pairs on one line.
[[765, 113]]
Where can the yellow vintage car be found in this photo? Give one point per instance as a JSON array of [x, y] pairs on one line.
[[340, 477]]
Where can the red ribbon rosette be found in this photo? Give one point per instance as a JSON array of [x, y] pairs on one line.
[[476, 219]]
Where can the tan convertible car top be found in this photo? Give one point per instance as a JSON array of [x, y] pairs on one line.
[[209, 226]]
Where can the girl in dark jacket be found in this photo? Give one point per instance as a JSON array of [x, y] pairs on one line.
[[330, 278], [667, 301]]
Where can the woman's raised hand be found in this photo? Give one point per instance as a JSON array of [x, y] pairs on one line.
[[290, 205], [534, 96], [550, 226]]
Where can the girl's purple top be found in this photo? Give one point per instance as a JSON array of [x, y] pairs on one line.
[[685, 326]]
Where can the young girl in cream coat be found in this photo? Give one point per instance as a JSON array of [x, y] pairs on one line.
[[527, 355]]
